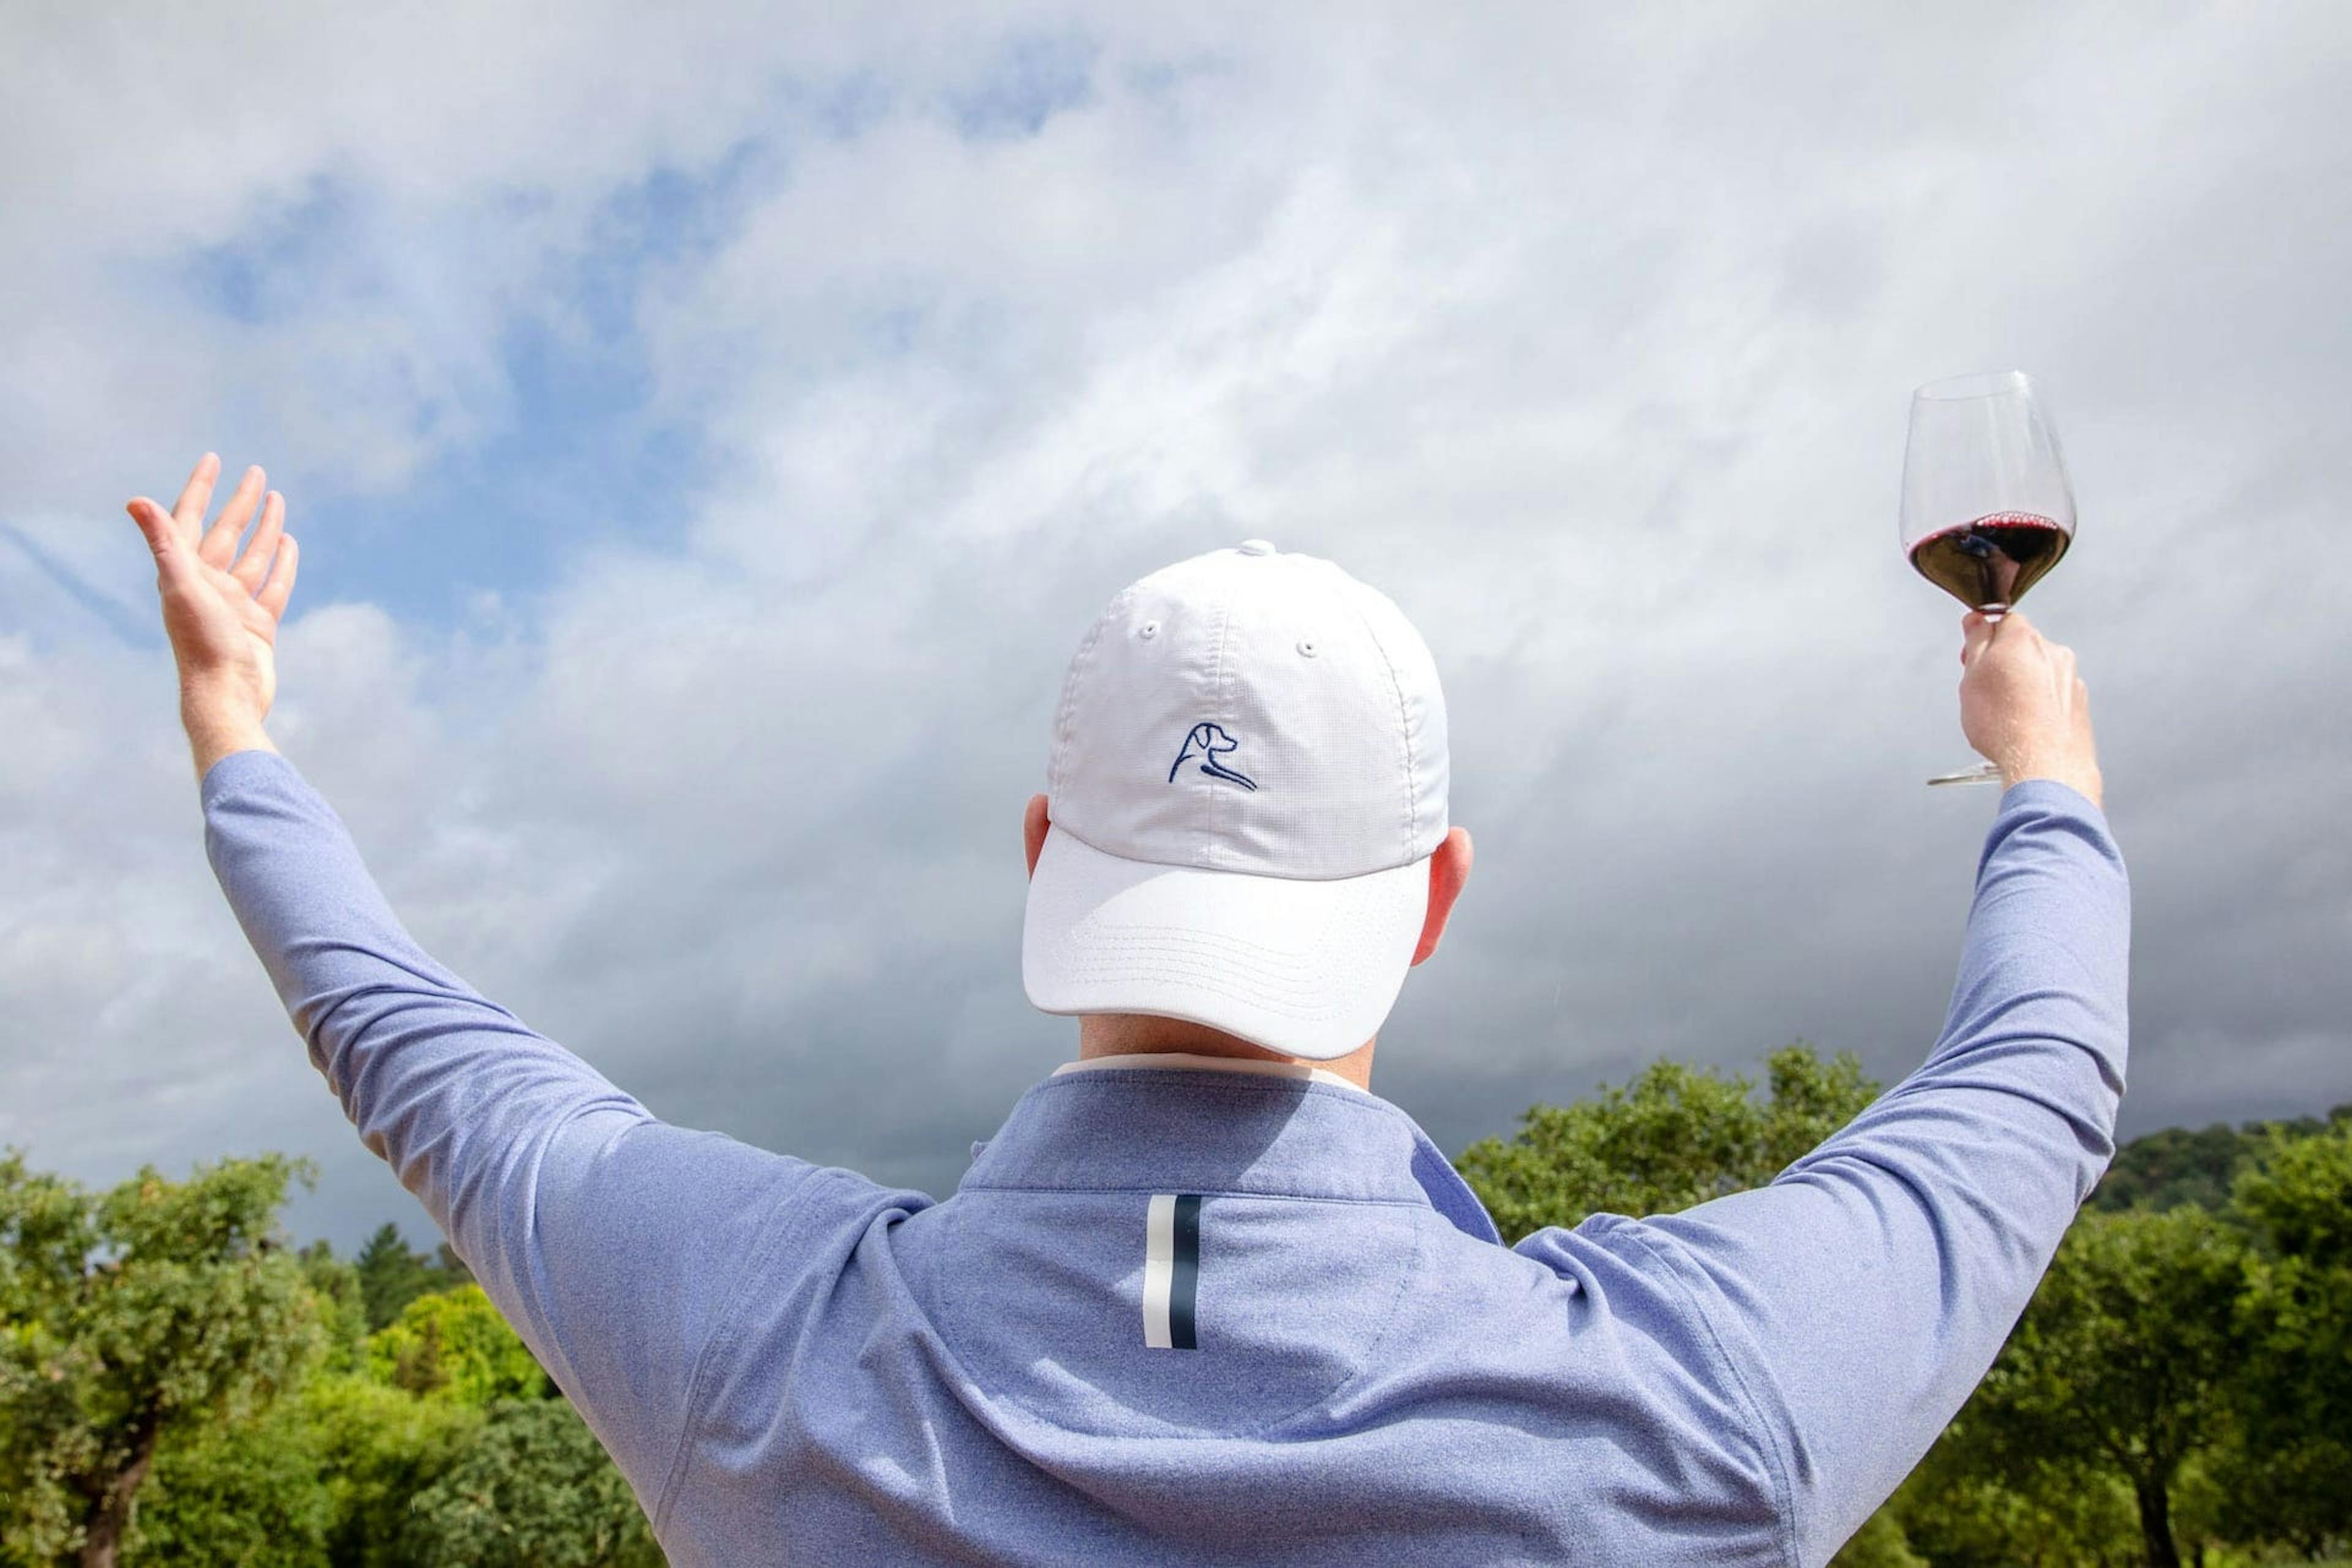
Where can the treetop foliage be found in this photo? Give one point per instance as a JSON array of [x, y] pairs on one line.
[[177, 1385], [391, 1275], [2175, 1165], [128, 1316], [454, 1345], [1674, 1136]]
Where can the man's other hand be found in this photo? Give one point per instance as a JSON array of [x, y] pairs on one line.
[[221, 606], [2023, 706]]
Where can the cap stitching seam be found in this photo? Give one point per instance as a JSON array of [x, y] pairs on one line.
[[1056, 775], [1404, 723], [1222, 676]]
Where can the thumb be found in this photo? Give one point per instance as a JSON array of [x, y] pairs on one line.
[[161, 536], [173, 560]]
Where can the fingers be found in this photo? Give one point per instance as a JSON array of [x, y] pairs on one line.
[[188, 512], [1976, 631], [274, 592], [1979, 631], [253, 563], [2066, 678], [219, 546]]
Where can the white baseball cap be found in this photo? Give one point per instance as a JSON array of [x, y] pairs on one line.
[[1247, 780]]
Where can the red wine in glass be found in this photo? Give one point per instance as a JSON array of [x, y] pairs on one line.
[[1987, 508], [1987, 563]]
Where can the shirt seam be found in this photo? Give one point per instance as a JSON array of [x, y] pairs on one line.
[[1767, 1441], [722, 1330]]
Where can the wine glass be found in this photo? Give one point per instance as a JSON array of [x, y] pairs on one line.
[[1987, 508]]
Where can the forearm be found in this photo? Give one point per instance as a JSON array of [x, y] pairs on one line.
[[450, 1088], [2044, 968]]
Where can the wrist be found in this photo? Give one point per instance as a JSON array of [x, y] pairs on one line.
[[217, 725], [2080, 777]]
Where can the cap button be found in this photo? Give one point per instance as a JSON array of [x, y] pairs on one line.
[[1255, 547]]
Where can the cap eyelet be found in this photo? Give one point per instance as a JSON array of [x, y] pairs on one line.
[[1306, 648], [1148, 629]]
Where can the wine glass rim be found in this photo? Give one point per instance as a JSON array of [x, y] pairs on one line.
[[1977, 383]]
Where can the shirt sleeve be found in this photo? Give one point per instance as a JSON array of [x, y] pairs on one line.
[[1863, 1295], [609, 1240]]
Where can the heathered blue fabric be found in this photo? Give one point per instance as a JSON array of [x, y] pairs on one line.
[[793, 1365]]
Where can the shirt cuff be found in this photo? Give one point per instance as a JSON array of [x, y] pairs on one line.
[[2051, 792], [236, 768]]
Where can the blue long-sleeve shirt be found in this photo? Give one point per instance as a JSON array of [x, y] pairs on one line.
[[1174, 1315]]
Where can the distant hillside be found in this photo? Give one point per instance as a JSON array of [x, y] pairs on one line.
[[2174, 1166]]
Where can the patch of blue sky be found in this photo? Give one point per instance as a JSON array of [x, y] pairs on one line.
[[577, 460], [260, 276], [1032, 78], [847, 107], [569, 454]]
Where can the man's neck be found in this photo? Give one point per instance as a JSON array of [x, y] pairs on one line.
[[1136, 1034]]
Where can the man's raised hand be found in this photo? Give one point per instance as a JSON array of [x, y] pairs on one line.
[[2023, 706], [221, 606]]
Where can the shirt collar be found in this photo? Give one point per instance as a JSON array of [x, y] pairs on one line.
[[1166, 1127], [1300, 1071]]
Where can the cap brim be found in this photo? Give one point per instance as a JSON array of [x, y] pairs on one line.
[[1306, 968]]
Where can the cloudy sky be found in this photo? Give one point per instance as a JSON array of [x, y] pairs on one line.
[[708, 435]]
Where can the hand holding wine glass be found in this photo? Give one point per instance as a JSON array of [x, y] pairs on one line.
[[2024, 706]]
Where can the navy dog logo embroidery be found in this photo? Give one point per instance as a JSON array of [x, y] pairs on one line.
[[1209, 743]]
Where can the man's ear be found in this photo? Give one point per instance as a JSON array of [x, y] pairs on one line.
[[1449, 867], [1034, 823]]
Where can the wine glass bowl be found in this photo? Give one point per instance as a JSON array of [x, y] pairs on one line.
[[1987, 508]]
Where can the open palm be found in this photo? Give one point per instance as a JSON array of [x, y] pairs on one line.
[[221, 606]]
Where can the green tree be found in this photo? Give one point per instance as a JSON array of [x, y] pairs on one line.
[[532, 1489], [2121, 1360], [392, 1274], [456, 1344], [2288, 1475], [341, 1305], [378, 1448], [125, 1317], [2174, 1165], [235, 1494], [1959, 1510], [1672, 1137], [1879, 1544]]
